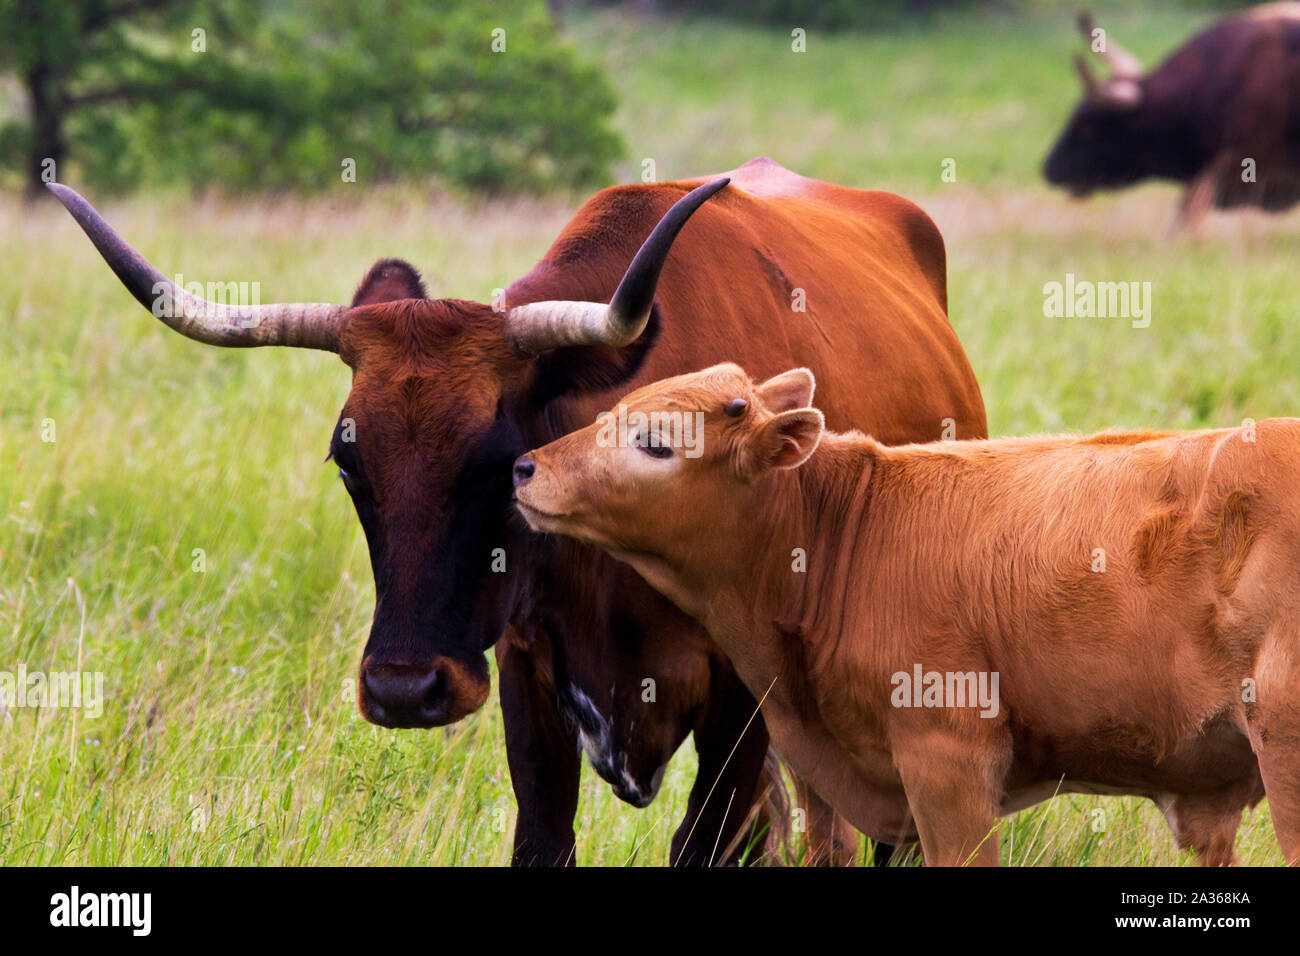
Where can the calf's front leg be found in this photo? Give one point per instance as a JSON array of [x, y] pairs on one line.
[[951, 794]]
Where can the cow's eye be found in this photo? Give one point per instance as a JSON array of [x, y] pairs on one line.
[[657, 451]]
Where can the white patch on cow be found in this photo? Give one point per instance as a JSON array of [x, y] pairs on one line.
[[595, 734], [596, 737]]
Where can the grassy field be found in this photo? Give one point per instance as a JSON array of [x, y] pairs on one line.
[[229, 734]]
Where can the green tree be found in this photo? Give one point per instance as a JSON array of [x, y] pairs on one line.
[[254, 94]]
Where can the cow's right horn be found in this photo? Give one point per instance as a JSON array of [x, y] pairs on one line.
[[537, 326], [311, 325]]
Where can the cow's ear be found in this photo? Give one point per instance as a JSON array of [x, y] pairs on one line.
[[784, 441], [789, 390], [387, 281]]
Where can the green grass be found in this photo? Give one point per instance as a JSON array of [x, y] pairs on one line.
[[229, 734], [882, 109]]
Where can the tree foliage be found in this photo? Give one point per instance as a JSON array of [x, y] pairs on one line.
[[255, 94]]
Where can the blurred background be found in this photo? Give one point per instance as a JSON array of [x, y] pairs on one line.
[[293, 144], [524, 97]]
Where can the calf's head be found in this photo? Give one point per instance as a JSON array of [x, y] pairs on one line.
[[659, 476], [444, 392]]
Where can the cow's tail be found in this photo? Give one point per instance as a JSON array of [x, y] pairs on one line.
[[765, 839], [802, 828]]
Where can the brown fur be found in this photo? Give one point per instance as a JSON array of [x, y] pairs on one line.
[[431, 378], [980, 556]]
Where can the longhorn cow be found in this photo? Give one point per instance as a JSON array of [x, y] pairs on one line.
[[776, 270]]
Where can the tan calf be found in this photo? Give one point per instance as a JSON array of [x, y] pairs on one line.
[[944, 633]]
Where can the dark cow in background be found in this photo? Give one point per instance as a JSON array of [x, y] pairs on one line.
[[777, 270], [1221, 114]]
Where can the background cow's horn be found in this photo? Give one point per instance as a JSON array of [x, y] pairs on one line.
[[310, 325], [538, 326], [1085, 74], [1123, 64]]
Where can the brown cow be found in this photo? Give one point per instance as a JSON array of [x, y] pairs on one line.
[[980, 624], [773, 270], [1221, 115]]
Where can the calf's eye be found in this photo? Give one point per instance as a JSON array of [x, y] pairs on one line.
[[657, 451]]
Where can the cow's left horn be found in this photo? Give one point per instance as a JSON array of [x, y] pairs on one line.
[[537, 326], [1085, 74], [311, 325], [1123, 64]]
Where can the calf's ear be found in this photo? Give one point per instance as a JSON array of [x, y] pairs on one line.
[[784, 441], [789, 390]]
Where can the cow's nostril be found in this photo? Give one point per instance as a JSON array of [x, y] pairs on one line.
[[524, 470], [376, 687], [435, 692]]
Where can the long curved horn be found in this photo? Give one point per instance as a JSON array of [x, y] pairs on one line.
[[1123, 64], [538, 326], [1081, 67], [309, 325]]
